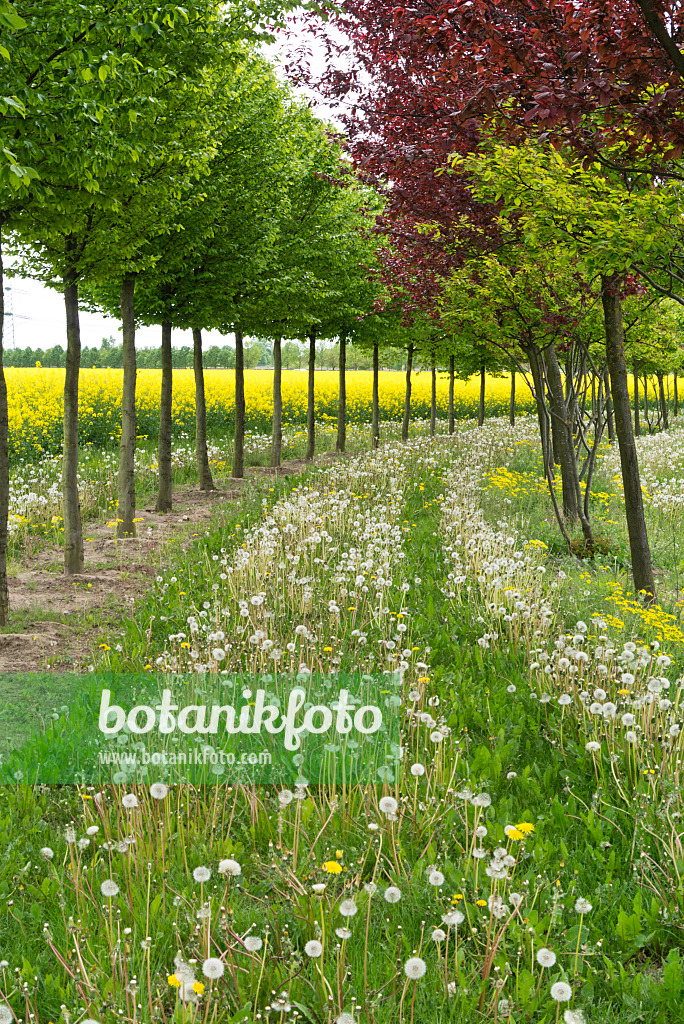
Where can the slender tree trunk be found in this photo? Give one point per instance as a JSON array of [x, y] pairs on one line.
[[676, 395], [239, 443], [342, 397], [73, 527], [4, 457], [646, 416], [277, 434], [206, 481], [310, 407], [407, 400], [165, 492], [376, 398], [511, 408], [481, 409], [452, 373], [609, 406], [663, 402], [433, 399], [642, 569], [635, 376], [126, 480]]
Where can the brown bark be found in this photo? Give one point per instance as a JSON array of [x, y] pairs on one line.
[[71, 506], [676, 395], [433, 399], [642, 569], [165, 492], [511, 407], [310, 406], [342, 397], [452, 373], [239, 442], [375, 427], [663, 402], [407, 399], [277, 433], [126, 480], [481, 409], [637, 424], [4, 458], [609, 407], [206, 481]]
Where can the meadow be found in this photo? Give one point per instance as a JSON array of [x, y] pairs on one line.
[[522, 863]]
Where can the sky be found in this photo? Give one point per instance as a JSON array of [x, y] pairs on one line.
[[38, 317]]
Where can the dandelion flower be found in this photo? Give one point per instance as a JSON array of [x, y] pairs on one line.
[[345, 1018], [253, 943], [158, 791], [415, 968], [452, 918], [313, 948], [332, 867], [546, 957], [417, 770], [109, 887], [592, 747], [47, 852], [129, 801], [213, 968], [436, 878], [319, 888], [582, 906], [348, 908], [201, 874], [285, 797], [229, 867], [573, 1017], [392, 894], [388, 805], [561, 992], [343, 933], [438, 935]]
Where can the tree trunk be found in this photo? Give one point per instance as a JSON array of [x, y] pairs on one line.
[[642, 569], [646, 416], [206, 481], [407, 400], [126, 481], [165, 492], [277, 434], [375, 432], [663, 402], [635, 376], [451, 393], [481, 410], [433, 400], [342, 397], [310, 409], [511, 407], [4, 458], [239, 443], [676, 395], [73, 527], [609, 407]]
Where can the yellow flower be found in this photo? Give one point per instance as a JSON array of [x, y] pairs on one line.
[[339, 854], [332, 867], [514, 833], [198, 987], [525, 827], [481, 903], [173, 981], [458, 896]]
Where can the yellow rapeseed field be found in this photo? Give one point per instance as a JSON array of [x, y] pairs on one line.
[[36, 403]]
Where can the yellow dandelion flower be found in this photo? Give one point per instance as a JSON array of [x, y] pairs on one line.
[[332, 867], [173, 981]]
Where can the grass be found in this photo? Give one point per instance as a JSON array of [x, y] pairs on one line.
[[575, 824]]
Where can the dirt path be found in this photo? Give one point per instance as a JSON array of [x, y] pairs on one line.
[[57, 621]]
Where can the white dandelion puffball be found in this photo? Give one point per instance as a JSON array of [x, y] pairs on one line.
[[482, 800], [561, 992], [229, 867], [129, 801], [187, 992], [631, 737], [313, 948], [92, 830], [546, 957], [345, 1018], [319, 888], [213, 968], [436, 878], [109, 887], [253, 943], [388, 805], [417, 770], [392, 894], [47, 852], [348, 908], [7, 1017], [415, 968], [439, 935], [285, 797], [452, 918], [201, 874], [158, 791], [582, 906], [574, 1017], [592, 747], [343, 933]]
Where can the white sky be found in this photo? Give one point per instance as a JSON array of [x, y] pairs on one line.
[[38, 318]]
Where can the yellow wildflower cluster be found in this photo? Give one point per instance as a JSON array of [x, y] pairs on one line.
[[653, 621]]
